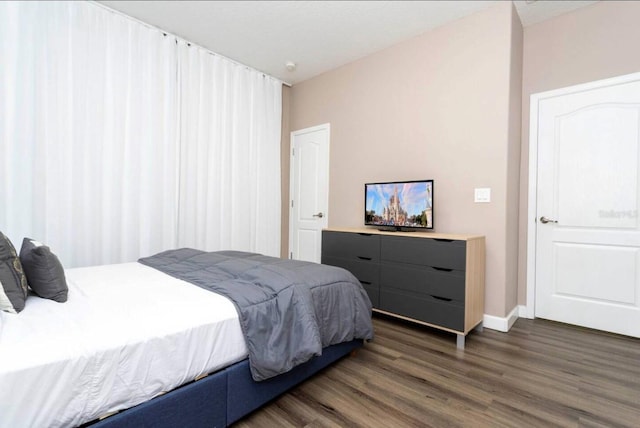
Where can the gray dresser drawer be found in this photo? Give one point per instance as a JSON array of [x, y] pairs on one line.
[[351, 246], [428, 281], [447, 254], [367, 272], [426, 309]]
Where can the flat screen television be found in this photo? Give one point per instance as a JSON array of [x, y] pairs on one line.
[[399, 205]]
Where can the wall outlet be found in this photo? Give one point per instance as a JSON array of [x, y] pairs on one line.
[[483, 195]]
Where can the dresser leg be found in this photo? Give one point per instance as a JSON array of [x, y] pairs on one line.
[[460, 341]]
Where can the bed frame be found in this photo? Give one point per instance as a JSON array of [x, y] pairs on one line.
[[221, 398]]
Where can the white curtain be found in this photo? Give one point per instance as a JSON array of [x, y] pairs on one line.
[[230, 155], [88, 125], [116, 142]]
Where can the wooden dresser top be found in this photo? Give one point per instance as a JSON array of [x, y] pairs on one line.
[[417, 234]]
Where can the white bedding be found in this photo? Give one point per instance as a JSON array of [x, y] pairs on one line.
[[126, 334]]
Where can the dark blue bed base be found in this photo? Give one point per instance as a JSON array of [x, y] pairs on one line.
[[222, 398]]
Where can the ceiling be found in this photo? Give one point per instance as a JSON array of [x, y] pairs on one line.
[[317, 36]]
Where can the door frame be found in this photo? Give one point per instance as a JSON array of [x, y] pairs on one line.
[[326, 127], [533, 173]]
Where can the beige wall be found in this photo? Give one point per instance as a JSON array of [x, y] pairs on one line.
[[513, 163], [285, 144], [443, 105], [592, 43]]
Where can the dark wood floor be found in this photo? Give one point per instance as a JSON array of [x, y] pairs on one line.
[[540, 374]]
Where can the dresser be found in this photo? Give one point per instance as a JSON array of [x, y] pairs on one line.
[[428, 278]]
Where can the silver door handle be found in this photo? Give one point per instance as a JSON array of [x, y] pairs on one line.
[[320, 215], [545, 220]]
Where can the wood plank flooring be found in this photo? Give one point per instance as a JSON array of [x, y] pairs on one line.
[[540, 374]]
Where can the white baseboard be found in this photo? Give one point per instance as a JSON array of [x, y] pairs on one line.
[[523, 312], [501, 323]]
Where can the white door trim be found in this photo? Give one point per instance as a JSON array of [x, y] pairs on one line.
[[533, 173], [326, 127]]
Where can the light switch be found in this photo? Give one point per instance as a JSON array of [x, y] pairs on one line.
[[483, 194]]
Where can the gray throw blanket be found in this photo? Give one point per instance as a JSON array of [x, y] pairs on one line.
[[289, 310]]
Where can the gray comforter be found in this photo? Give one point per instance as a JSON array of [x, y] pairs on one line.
[[289, 310]]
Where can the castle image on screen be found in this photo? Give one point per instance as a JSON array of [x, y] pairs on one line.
[[400, 204]]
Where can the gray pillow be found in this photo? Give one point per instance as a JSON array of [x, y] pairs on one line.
[[13, 283], [44, 271]]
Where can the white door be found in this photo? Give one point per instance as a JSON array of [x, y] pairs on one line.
[[309, 191], [587, 256]]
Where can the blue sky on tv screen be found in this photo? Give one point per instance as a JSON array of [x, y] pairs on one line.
[[414, 197]]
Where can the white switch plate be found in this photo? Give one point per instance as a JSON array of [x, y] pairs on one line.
[[483, 194]]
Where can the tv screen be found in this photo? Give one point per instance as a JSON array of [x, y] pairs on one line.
[[399, 204]]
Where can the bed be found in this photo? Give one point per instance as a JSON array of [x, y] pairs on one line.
[[150, 344]]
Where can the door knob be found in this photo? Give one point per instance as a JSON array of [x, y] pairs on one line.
[[320, 215], [545, 220]]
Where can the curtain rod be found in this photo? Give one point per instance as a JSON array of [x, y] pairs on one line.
[[178, 38]]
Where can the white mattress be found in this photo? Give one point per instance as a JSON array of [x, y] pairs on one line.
[[126, 334]]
